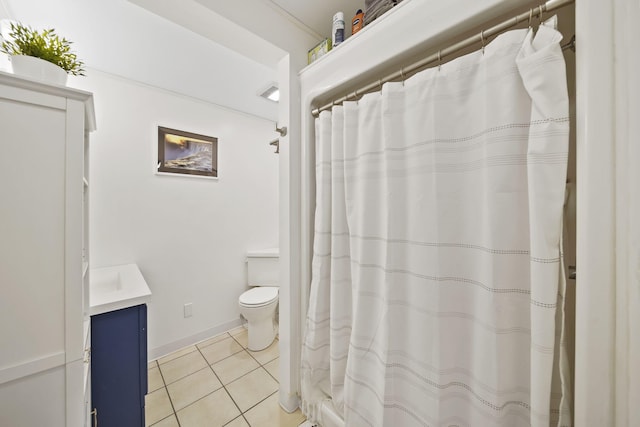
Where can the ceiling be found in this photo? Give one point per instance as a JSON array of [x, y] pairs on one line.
[[223, 52], [318, 15]]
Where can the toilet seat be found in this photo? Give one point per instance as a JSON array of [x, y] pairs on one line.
[[259, 296]]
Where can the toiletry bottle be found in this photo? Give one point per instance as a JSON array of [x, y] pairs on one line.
[[357, 22], [338, 29]]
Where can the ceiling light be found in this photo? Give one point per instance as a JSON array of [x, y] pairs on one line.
[[271, 93], [275, 95]]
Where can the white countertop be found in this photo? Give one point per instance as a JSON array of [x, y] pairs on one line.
[[117, 287]]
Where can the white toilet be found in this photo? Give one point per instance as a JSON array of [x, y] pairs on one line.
[[258, 304]]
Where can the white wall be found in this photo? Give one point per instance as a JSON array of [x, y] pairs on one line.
[[188, 235], [121, 38], [4, 10], [5, 65], [34, 400]]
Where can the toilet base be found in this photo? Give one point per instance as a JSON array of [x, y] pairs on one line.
[[261, 334]]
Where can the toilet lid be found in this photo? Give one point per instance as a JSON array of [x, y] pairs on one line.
[[259, 296]]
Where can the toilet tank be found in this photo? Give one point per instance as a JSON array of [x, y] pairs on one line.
[[263, 267]]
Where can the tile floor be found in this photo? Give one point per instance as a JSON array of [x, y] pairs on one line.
[[217, 382]]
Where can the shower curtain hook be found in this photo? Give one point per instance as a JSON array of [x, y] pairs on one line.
[[530, 17], [540, 10], [482, 40], [402, 75], [439, 59], [380, 85]]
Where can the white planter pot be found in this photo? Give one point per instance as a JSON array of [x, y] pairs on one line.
[[38, 69]]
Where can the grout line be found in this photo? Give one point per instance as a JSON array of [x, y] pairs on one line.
[[176, 358], [270, 372], [197, 345], [224, 386], [239, 343], [236, 354], [244, 375], [205, 359], [206, 395], [168, 395], [275, 392], [211, 367], [224, 358], [184, 376], [149, 391], [188, 375], [199, 399], [173, 414], [253, 357], [239, 416], [244, 327], [261, 364]]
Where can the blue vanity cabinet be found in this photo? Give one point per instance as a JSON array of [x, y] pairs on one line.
[[119, 366]]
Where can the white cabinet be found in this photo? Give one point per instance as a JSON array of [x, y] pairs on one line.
[[44, 274]]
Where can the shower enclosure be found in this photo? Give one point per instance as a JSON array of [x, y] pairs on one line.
[[592, 185]]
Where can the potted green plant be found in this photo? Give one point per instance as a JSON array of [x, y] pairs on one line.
[[42, 55]]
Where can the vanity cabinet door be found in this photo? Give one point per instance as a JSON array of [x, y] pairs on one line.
[[119, 366]]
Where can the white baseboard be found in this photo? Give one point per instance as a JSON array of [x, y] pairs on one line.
[[156, 353], [288, 402]]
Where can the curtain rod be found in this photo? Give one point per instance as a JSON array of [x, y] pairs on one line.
[[437, 57]]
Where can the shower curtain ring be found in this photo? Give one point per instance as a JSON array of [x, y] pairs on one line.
[[402, 75], [380, 85], [439, 59], [482, 40], [530, 17], [540, 10]]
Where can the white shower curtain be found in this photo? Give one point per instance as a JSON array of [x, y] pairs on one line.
[[437, 288]]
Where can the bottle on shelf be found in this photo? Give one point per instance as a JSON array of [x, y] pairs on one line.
[[357, 22], [337, 32]]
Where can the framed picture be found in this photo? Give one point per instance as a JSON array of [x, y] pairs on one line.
[[187, 153]]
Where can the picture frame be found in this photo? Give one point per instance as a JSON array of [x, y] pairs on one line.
[[187, 153]]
